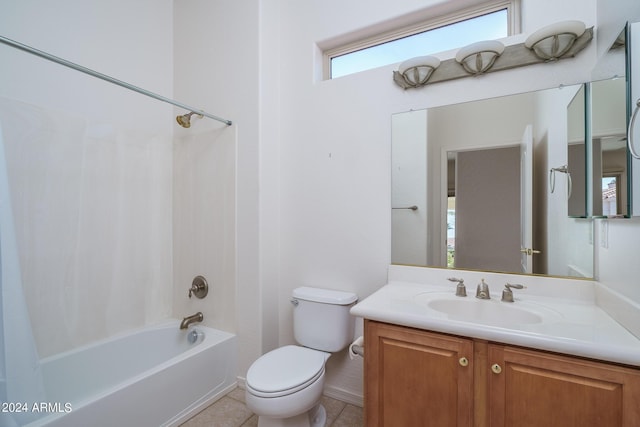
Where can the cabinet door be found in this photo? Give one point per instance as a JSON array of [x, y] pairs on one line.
[[537, 389], [416, 378]]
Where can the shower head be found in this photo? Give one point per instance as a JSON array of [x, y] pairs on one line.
[[185, 119]]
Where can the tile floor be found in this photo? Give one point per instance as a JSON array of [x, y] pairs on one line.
[[230, 411]]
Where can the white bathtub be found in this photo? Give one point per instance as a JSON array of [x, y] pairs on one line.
[[149, 377]]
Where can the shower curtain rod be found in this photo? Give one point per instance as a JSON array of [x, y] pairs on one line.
[[107, 78]]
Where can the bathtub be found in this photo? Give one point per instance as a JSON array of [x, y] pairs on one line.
[[154, 376]]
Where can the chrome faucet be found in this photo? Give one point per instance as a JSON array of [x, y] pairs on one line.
[[461, 290], [482, 291], [507, 293], [198, 317]]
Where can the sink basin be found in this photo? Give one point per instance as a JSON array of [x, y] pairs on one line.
[[489, 312]]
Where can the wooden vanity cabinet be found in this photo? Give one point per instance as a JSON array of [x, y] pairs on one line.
[[420, 378], [416, 378], [534, 388]]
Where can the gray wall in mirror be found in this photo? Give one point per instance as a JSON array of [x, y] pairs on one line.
[[577, 155], [423, 143]]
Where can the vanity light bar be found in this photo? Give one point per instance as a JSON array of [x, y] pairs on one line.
[[514, 56]]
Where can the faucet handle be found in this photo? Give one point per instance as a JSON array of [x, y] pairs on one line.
[[199, 287], [507, 293], [461, 290]]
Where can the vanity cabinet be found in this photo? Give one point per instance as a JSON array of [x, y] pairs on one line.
[[416, 378], [420, 378], [534, 388]]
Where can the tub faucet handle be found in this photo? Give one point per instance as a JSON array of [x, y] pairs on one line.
[[199, 287]]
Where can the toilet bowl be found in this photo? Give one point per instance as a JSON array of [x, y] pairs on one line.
[[284, 386]]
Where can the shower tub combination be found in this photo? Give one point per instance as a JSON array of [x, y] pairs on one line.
[[154, 376]]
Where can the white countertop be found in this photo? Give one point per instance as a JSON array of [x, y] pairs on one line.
[[571, 326]]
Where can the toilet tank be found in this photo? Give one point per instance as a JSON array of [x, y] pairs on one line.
[[321, 318]]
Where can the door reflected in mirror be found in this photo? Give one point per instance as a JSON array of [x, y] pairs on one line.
[[484, 209]]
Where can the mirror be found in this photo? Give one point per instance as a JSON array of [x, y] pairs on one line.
[[576, 173], [470, 187], [609, 148], [608, 165], [608, 126]]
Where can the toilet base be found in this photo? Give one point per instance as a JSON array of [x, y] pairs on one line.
[[315, 417]]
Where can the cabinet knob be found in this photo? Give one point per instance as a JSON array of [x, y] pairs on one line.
[[496, 368], [464, 361]]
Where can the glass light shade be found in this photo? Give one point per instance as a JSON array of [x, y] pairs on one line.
[[553, 41], [416, 71], [478, 58]]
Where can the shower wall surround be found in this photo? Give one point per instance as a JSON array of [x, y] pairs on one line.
[[204, 221]]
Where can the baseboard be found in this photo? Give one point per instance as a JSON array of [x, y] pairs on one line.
[[344, 396], [242, 382]]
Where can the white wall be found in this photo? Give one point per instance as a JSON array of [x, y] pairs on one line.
[[139, 52], [204, 214]]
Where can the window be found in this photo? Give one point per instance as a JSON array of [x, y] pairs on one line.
[[454, 31]]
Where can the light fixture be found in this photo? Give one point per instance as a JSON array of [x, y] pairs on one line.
[[478, 58], [553, 41], [415, 72], [557, 41]]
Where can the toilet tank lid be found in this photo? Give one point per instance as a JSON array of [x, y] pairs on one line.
[[326, 296]]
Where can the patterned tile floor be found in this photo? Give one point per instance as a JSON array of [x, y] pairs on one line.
[[231, 411]]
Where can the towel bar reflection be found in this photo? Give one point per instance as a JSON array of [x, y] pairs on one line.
[[413, 208], [552, 179], [632, 148]]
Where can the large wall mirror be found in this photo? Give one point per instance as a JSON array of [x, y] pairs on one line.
[[471, 188]]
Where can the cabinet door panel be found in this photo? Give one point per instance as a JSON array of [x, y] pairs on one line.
[[536, 389], [415, 378]]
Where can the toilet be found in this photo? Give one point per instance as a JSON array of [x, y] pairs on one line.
[[284, 386]]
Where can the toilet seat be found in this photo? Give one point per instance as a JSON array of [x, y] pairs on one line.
[[285, 370]]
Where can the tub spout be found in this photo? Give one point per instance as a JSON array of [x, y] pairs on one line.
[[198, 317]]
